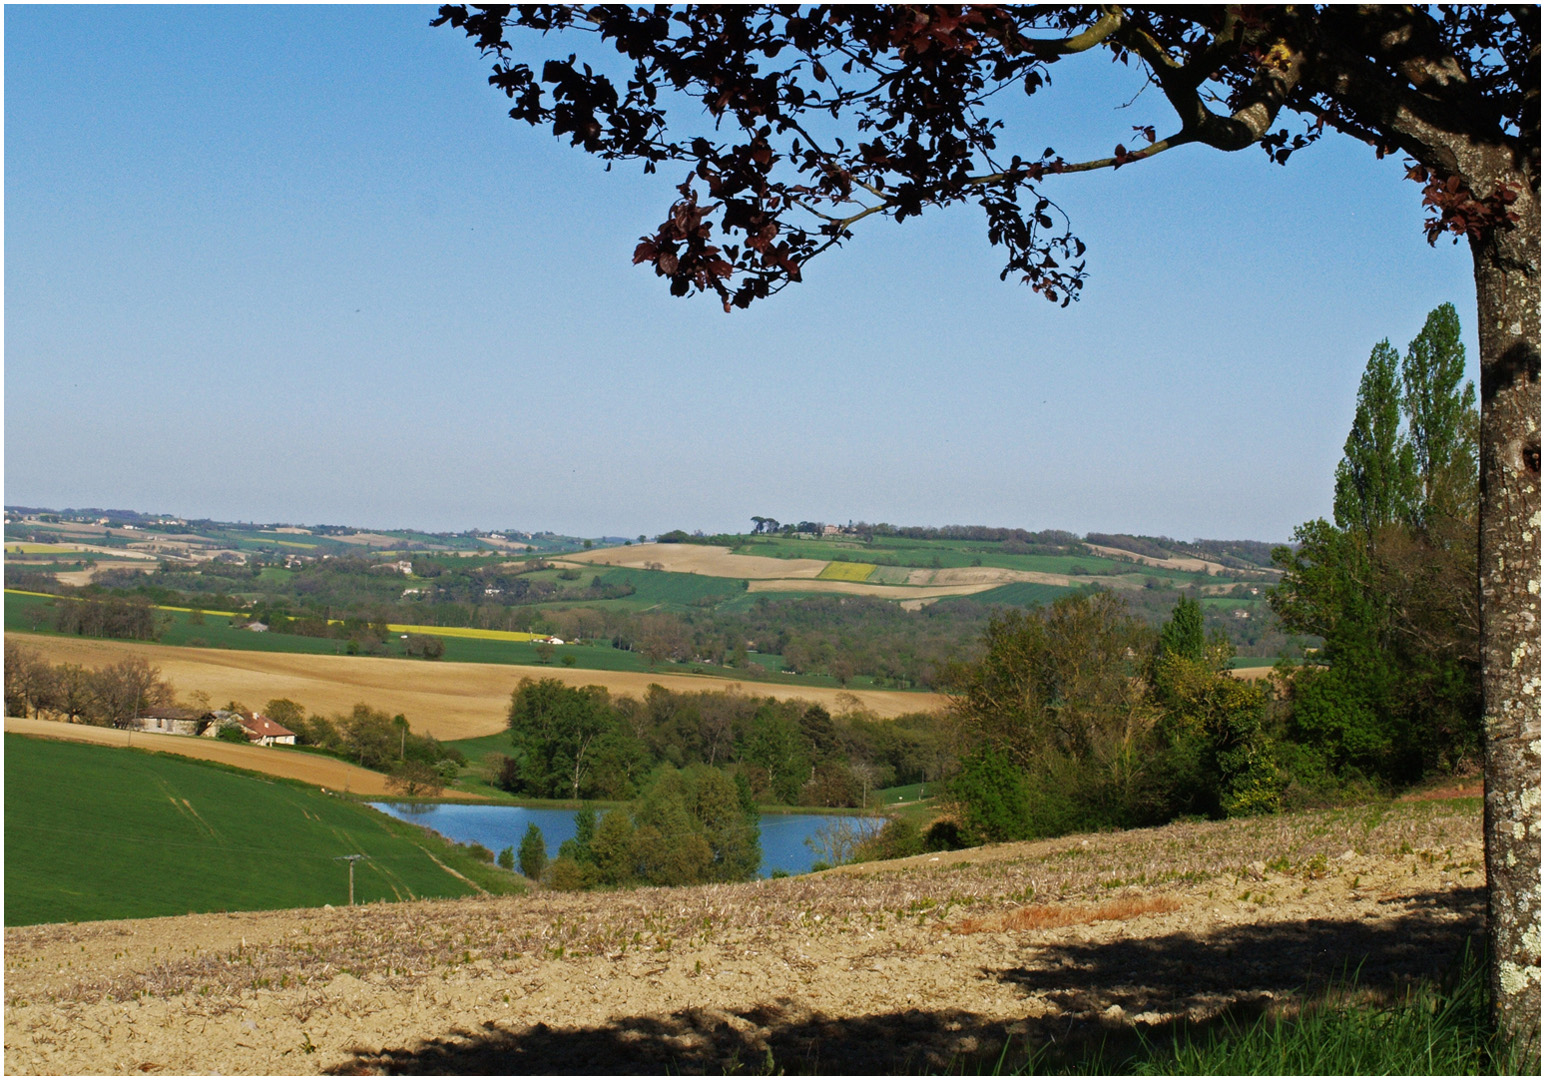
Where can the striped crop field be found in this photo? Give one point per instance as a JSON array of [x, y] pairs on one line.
[[396, 628], [846, 571]]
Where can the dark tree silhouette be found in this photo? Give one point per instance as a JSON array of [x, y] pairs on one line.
[[811, 120]]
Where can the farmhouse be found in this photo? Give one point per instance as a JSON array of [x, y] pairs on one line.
[[171, 721], [257, 727], [265, 732]]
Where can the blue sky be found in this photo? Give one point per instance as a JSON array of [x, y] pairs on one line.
[[296, 264]]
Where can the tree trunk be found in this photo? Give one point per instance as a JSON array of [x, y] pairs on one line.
[[1507, 280]]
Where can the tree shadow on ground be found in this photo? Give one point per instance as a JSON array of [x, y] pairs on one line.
[[1175, 984]]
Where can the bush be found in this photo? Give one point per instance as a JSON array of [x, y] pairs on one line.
[[232, 733], [567, 875], [993, 798], [507, 858], [897, 840], [943, 835], [415, 778], [479, 852], [533, 853]]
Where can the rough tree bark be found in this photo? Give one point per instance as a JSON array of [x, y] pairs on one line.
[[1507, 285]]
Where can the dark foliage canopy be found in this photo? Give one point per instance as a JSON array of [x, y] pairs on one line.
[[818, 117]]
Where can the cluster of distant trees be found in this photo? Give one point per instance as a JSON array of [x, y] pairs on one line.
[[373, 739], [117, 617], [582, 743], [108, 696]]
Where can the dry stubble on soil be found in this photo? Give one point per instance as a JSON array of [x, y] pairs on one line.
[[443, 699], [894, 967]]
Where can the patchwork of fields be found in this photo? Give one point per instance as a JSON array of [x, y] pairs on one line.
[[448, 700], [857, 570]]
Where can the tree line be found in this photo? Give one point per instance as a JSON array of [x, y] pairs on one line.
[[108, 696]]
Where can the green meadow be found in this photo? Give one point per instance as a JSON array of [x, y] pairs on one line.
[[97, 832]]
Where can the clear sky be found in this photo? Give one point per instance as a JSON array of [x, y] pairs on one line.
[[296, 264]]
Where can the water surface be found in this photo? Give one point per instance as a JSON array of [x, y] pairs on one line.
[[499, 827]]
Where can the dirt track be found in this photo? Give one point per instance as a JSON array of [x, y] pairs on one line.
[[446, 700], [865, 970], [274, 760]]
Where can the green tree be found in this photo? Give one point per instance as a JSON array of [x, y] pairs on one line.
[[1182, 635], [993, 798], [1441, 417], [285, 712], [1395, 691], [613, 850], [415, 778], [533, 853], [557, 731], [1376, 479]]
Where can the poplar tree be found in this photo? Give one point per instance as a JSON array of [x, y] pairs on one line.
[[1376, 479], [1441, 417]]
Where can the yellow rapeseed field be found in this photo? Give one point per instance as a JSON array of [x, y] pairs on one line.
[[846, 571]]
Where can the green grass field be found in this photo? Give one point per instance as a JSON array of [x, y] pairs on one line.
[[1020, 594], [97, 832]]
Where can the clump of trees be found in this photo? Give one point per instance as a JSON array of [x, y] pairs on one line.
[[374, 739], [1079, 716], [691, 826], [109, 696], [581, 743], [117, 617], [1395, 692]]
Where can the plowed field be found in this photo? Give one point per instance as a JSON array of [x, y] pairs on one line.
[[923, 965]]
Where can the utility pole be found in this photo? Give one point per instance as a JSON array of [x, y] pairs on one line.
[[351, 860]]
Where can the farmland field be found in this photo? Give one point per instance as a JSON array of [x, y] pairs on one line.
[[847, 571], [96, 832], [449, 700], [699, 559]]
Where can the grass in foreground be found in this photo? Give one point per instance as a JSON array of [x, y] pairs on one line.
[[95, 832], [1436, 1029]]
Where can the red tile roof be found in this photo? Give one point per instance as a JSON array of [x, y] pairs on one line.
[[263, 727]]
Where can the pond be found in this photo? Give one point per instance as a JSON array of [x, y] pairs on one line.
[[499, 827]]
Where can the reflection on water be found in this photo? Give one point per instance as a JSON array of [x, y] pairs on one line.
[[499, 827]]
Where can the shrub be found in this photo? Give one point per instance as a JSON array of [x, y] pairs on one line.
[[415, 778], [507, 858], [566, 875], [898, 839], [533, 853], [479, 852], [993, 798]]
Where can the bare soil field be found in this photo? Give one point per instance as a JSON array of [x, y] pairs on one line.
[[446, 700], [698, 559], [989, 575], [925, 964], [1191, 565], [274, 760]]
